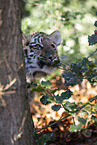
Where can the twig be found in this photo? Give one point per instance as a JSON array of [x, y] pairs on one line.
[[53, 123], [3, 101], [10, 84], [7, 92], [92, 53], [94, 98]]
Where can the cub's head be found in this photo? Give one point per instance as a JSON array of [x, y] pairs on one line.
[[41, 49]]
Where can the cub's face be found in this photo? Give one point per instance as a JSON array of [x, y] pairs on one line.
[[40, 52]]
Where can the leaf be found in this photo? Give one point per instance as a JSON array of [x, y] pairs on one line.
[[75, 128], [44, 100], [92, 39], [95, 106], [95, 24], [88, 68], [67, 75], [71, 79], [76, 68], [45, 138], [38, 88], [84, 112], [82, 120], [58, 99], [66, 95], [46, 83], [56, 107], [85, 62], [70, 106]]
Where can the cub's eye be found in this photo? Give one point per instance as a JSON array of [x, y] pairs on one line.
[[37, 46], [53, 45]]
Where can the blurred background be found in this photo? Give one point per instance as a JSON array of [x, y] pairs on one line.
[[74, 19]]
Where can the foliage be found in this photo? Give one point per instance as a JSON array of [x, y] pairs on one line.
[[45, 138], [85, 69], [79, 71]]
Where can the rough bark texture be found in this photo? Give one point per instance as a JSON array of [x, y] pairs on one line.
[[15, 120]]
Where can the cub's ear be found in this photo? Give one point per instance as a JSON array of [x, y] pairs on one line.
[[56, 36], [26, 39]]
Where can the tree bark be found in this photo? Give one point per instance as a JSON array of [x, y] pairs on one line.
[[16, 126]]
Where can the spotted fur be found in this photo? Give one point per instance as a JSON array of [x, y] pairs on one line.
[[40, 51]]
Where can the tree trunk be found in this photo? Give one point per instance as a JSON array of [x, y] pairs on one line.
[[16, 126]]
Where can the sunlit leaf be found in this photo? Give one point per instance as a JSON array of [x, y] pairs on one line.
[[82, 120], [83, 112], [38, 88], [45, 138], [46, 83], [70, 106], [75, 128], [95, 106]]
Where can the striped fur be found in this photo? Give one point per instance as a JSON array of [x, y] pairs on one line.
[[40, 51]]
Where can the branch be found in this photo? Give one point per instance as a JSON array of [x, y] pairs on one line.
[[92, 53], [91, 100]]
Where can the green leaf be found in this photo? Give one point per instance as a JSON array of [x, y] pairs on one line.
[[82, 120], [38, 88], [95, 106], [44, 100], [92, 39], [75, 128], [46, 83], [71, 79], [67, 75], [70, 106], [95, 24], [74, 81], [76, 69], [83, 112], [56, 107], [85, 64], [58, 99], [45, 138], [85, 61], [66, 95]]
